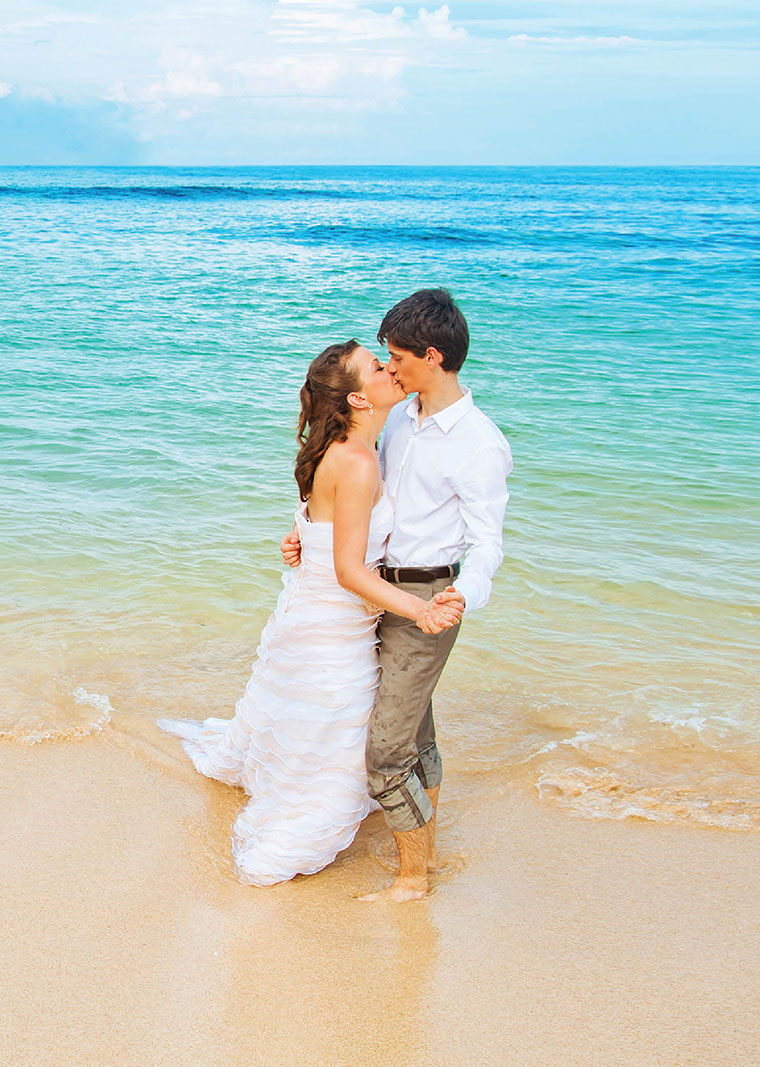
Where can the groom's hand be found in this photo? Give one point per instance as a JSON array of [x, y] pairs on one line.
[[290, 547], [450, 595], [441, 614]]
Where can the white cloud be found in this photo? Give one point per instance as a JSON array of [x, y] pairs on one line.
[[438, 24], [186, 83], [5, 89], [180, 84], [579, 41], [286, 75], [324, 78], [39, 92], [343, 21], [179, 57], [45, 21]]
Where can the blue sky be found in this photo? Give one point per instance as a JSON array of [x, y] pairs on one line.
[[364, 81]]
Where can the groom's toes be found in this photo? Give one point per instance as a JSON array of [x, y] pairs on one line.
[[399, 892]]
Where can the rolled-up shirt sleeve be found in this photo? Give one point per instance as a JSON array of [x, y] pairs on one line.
[[481, 487]]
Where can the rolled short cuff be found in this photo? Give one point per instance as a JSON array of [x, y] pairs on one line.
[[406, 806]]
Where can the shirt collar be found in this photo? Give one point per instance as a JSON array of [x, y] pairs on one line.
[[448, 416]]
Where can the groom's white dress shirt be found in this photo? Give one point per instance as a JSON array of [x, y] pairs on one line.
[[447, 478]]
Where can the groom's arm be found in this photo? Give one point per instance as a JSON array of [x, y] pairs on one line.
[[481, 485]]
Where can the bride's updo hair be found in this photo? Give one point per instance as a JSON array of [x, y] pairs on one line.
[[325, 410]]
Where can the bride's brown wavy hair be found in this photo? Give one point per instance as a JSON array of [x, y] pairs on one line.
[[325, 410]]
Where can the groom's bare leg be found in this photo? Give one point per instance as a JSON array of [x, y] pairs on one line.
[[428, 770], [431, 862], [412, 881], [432, 858], [403, 764]]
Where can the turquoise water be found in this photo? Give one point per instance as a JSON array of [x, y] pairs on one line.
[[155, 327]]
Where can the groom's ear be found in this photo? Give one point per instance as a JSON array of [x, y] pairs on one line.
[[433, 357]]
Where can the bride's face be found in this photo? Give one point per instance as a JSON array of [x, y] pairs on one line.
[[379, 387]]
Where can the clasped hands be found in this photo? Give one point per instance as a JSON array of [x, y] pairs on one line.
[[442, 612]]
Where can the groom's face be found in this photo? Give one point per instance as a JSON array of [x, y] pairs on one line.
[[409, 370]]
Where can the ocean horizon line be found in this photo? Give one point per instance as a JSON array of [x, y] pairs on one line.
[[459, 167]]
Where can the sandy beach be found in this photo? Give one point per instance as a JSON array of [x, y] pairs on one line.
[[549, 939]]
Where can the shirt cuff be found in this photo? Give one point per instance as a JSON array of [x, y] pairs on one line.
[[469, 591]]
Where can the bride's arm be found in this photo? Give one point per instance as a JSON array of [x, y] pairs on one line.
[[354, 493]]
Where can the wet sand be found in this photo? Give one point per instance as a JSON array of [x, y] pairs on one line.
[[550, 940]]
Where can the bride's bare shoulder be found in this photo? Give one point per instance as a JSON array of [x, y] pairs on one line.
[[347, 466], [350, 458]]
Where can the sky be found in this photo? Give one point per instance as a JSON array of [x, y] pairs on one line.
[[475, 82]]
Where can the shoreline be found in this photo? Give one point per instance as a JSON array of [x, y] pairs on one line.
[[548, 940]]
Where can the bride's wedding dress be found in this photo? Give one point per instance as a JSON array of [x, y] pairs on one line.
[[296, 743]]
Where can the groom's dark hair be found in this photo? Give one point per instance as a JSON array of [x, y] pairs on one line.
[[428, 318]]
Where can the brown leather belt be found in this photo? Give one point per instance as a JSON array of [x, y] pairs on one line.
[[419, 574]]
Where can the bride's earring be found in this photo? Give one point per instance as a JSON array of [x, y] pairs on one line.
[[370, 409]]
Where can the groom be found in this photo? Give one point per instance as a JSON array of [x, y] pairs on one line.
[[445, 466]]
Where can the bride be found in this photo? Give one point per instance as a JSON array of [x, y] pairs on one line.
[[296, 743]]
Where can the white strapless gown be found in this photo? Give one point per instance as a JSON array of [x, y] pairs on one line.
[[296, 743]]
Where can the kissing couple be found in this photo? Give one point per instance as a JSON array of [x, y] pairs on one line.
[[389, 550]]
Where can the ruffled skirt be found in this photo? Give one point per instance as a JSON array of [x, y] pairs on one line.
[[296, 743]]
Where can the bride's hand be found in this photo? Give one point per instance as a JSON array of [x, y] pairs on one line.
[[438, 617]]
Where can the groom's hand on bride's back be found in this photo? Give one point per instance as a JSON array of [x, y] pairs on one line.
[[290, 546]]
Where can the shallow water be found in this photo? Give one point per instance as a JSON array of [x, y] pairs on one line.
[[155, 326]]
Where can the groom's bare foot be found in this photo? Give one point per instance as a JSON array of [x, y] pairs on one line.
[[402, 890], [411, 883]]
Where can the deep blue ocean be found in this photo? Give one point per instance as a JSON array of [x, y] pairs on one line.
[[155, 328]]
